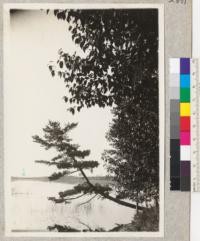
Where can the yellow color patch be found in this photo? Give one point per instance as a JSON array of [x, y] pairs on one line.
[[185, 109]]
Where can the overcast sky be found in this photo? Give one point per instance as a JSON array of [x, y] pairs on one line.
[[32, 96]]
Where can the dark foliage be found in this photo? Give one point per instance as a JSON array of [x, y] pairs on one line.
[[147, 220], [62, 228], [133, 160], [65, 228], [121, 58]]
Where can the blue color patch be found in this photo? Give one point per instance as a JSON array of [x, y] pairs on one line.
[[185, 66], [185, 81]]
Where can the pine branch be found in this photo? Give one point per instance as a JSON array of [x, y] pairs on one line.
[[47, 145], [57, 137], [69, 127], [86, 164], [66, 163], [56, 200], [65, 200], [57, 158], [46, 162], [107, 196], [80, 188], [69, 192], [58, 175]]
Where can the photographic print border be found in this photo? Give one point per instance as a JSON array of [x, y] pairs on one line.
[[160, 8]]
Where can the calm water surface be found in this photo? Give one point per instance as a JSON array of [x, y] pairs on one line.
[[31, 210]]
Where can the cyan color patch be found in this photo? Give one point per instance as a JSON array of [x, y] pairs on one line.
[[185, 81]]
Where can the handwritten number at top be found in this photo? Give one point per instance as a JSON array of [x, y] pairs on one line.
[[177, 1]]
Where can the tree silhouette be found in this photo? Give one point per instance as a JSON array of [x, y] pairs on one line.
[[121, 58], [133, 159], [70, 158]]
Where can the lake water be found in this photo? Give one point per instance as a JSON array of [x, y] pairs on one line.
[[31, 210]]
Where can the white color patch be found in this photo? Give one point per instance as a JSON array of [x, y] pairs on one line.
[[185, 153], [174, 66]]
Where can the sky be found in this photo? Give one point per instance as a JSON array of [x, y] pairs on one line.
[[32, 96]]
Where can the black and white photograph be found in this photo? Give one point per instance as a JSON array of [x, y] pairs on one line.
[[84, 120]]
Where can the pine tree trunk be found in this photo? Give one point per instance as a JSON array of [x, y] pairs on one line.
[[107, 196]]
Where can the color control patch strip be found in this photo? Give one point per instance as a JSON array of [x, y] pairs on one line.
[[180, 134], [195, 126]]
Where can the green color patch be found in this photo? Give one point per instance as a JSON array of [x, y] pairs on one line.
[[185, 95]]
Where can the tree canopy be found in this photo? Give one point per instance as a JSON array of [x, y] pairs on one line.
[[133, 159], [121, 58]]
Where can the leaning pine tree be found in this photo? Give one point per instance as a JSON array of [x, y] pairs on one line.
[[71, 159]]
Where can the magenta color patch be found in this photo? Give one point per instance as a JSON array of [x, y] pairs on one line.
[[185, 138]]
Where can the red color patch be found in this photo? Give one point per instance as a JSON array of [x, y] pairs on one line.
[[185, 123]]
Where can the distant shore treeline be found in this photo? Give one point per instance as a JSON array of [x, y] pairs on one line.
[[68, 179]]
